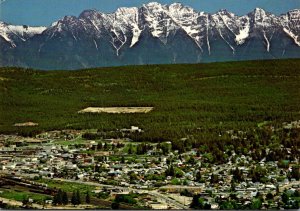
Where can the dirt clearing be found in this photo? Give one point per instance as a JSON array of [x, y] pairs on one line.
[[26, 124], [116, 110], [3, 79]]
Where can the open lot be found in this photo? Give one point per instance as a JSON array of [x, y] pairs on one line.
[[117, 110], [26, 124]]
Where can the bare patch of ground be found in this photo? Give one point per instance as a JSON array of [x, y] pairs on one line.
[[116, 110], [182, 199], [26, 124], [18, 203], [3, 79]]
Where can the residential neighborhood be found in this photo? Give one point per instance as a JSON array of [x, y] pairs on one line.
[[119, 171]]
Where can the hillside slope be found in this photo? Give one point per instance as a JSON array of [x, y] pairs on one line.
[[187, 99]]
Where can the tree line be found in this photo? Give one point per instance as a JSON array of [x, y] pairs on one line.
[[62, 198]]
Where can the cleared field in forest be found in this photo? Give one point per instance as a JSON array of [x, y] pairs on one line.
[[117, 110]]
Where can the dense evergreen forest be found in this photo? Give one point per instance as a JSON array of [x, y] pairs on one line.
[[194, 104]]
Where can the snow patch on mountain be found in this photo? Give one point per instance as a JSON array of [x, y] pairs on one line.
[[124, 27], [267, 41], [21, 32], [158, 20], [291, 25], [136, 35], [259, 15], [292, 35], [243, 35], [128, 19], [207, 37], [188, 19], [232, 48]]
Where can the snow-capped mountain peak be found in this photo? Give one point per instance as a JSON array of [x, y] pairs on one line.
[[259, 13], [179, 6], [154, 5], [91, 13], [165, 27]]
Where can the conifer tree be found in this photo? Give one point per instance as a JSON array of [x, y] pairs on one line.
[[198, 176], [78, 197], [123, 159], [88, 197], [74, 198], [65, 199]]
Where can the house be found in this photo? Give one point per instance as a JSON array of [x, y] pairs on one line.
[[152, 152], [158, 206], [9, 166], [117, 167], [71, 166], [273, 187], [214, 206], [80, 176], [133, 129], [46, 173], [114, 173], [103, 153], [34, 141], [48, 201]]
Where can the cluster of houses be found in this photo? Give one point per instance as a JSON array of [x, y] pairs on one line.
[[88, 161]]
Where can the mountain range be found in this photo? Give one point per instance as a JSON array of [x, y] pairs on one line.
[[151, 34]]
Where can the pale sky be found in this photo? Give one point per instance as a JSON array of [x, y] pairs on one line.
[[44, 12]]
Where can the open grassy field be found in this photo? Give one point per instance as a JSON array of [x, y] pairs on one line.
[[21, 194], [67, 186], [186, 98]]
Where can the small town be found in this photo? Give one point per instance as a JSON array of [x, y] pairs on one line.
[[89, 169], [150, 105]]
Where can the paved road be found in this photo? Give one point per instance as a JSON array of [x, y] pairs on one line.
[[291, 184], [170, 201], [173, 203]]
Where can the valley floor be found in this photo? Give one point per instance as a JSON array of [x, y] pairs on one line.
[[150, 175]]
